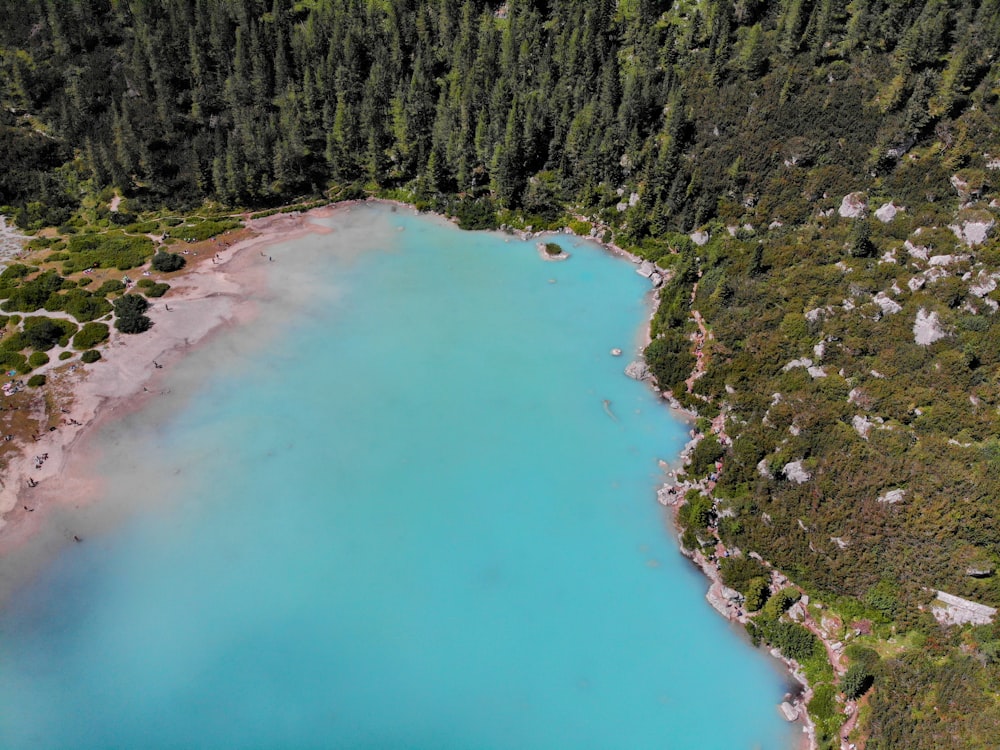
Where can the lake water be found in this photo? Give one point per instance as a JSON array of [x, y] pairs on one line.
[[393, 512]]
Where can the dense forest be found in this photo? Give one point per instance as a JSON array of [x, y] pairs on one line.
[[817, 178]]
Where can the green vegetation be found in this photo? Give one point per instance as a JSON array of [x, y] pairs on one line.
[[65, 355], [167, 262], [90, 335], [37, 359], [90, 356], [36, 381], [748, 122], [200, 231], [129, 318]]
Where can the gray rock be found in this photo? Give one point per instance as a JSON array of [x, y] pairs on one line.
[[927, 328], [888, 305], [638, 370], [700, 238], [891, 496], [853, 206], [975, 231], [887, 212], [796, 472]]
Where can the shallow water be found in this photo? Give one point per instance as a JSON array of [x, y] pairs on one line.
[[391, 513]]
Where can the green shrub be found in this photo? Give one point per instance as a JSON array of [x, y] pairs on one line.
[[32, 295], [85, 306], [156, 290], [37, 359], [90, 356], [107, 251], [474, 213], [167, 262], [757, 593], [14, 361], [856, 681], [669, 359], [697, 513], [793, 640], [129, 309], [705, 454], [109, 287], [42, 335], [737, 572], [779, 603], [36, 381], [202, 231], [90, 335], [65, 355]]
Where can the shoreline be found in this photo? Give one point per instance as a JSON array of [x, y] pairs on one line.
[[205, 299]]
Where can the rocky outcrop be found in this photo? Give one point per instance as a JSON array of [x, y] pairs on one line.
[[887, 212], [853, 206], [949, 609], [927, 328], [916, 251], [700, 238], [891, 496], [974, 229], [888, 305], [796, 472], [638, 370]]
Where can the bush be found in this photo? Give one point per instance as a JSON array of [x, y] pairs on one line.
[[14, 361], [669, 359], [167, 262], [31, 295], [110, 286], [90, 335], [474, 213], [129, 309], [36, 380], [779, 603], [704, 456], [65, 355], [204, 230], [90, 356], [107, 251], [737, 572], [757, 593], [793, 640], [697, 513], [856, 681], [37, 359], [43, 335], [156, 290]]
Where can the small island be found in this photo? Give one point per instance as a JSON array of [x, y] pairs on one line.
[[551, 251]]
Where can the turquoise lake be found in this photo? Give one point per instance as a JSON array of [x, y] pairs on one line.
[[392, 512]]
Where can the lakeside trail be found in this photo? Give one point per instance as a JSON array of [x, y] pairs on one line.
[[216, 289]]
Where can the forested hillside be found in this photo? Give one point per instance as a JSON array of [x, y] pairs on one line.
[[818, 177]]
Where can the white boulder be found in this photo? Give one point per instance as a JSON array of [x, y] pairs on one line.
[[853, 206], [927, 328], [796, 472], [887, 212]]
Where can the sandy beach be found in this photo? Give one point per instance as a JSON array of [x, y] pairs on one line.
[[205, 297]]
